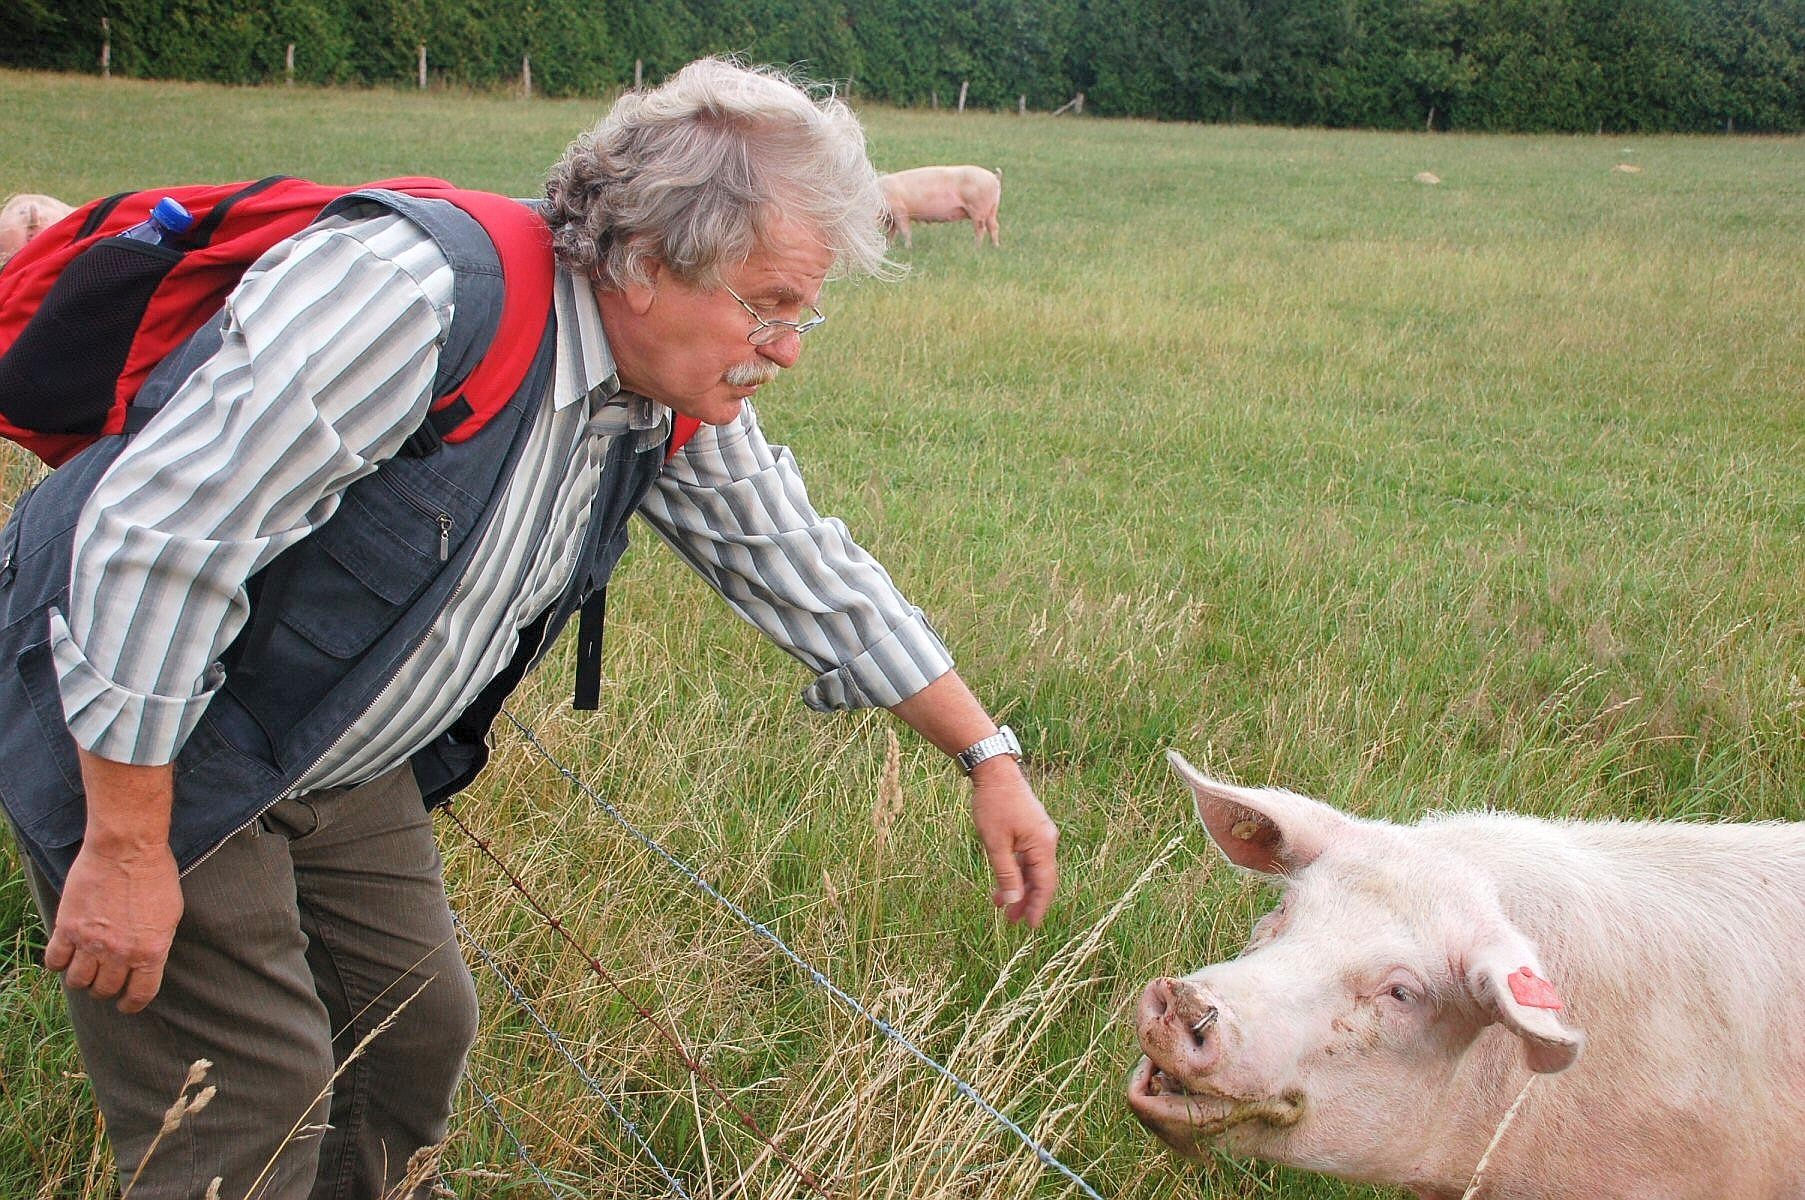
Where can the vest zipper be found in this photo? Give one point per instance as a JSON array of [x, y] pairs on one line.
[[16, 530], [437, 515]]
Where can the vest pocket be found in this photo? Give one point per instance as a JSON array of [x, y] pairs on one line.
[[347, 584], [41, 786]]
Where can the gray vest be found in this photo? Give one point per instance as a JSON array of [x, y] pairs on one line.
[[333, 619]]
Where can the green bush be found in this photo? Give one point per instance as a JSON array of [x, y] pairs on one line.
[[1646, 65]]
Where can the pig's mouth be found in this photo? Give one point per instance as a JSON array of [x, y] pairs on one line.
[[1180, 1116]]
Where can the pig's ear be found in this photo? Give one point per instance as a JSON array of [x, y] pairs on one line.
[[1261, 829], [1511, 987]]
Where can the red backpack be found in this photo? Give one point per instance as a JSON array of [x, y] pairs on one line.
[[85, 314]]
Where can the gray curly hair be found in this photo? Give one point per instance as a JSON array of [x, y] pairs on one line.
[[695, 172]]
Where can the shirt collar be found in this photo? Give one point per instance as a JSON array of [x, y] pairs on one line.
[[585, 366]]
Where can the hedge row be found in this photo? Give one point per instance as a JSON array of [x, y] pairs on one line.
[[1620, 65]]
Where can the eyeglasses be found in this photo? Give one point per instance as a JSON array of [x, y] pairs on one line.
[[766, 332]]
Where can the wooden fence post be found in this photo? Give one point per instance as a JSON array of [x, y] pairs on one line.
[[963, 84], [422, 66], [1021, 106], [106, 49], [934, 98], [526, 75], [1079, 106], [288, 65], [639, 67]]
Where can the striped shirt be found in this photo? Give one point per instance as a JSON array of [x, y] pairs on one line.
[[317, 393]]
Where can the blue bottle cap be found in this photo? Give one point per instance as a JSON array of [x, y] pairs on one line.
[[171, 215]]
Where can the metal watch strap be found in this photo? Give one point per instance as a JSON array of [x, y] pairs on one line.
[[1003, 741]]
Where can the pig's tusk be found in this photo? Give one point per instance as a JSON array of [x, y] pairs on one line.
[[1204, 1022]]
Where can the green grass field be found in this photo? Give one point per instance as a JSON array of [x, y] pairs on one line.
[[1490, 492]]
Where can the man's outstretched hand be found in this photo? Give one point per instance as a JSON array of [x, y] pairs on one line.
[[1019, 839]]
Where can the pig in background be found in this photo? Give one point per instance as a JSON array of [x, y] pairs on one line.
[[943, 194], [24, 216], [1385, 1016]]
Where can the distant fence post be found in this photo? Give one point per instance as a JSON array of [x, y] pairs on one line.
[[422, 66], [963, 84], [1021, 106], [934, 98], [106, 49], [288, 65], [1075, 104], [526, 76], [639, 68]]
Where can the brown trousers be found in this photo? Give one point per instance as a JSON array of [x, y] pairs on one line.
[[301, 935]]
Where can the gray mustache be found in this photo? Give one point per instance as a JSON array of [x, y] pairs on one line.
[[752, 374]]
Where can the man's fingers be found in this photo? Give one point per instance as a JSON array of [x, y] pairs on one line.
[[58, 951], [141, 988], [109, 978], [1041, 868], [82, 969], [1001, 853], [1027, 875]]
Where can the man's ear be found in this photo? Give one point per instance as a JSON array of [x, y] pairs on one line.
[[640, 296], [1268, 830]]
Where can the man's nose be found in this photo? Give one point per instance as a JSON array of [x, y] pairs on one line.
[[785, 350]]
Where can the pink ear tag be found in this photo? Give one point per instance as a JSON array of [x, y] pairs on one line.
[[1532, 991]]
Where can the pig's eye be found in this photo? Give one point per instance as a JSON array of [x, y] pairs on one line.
[[1402, 987]]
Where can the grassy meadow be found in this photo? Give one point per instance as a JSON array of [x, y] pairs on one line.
[[1406, 496]]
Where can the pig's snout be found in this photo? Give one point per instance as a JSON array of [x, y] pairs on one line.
[[1178, 1029]]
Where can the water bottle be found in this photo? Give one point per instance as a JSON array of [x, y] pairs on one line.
[[167, 220]]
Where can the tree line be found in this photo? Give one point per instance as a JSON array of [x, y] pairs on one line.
[[1525, 65]]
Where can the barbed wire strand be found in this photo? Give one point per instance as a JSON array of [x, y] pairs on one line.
[[890, 1031], [627, 1124], [520, 1150], [743, 1118]]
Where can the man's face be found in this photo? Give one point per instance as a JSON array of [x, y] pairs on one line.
[[686, 347]]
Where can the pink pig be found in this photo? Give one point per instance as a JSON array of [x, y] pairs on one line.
[[23, 216], [944, 194], [1387, 1017]]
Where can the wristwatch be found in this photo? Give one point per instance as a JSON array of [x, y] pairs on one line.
[[1003, 741]]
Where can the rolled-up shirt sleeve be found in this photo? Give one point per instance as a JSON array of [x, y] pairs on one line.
[[326, 366], [734, 508]]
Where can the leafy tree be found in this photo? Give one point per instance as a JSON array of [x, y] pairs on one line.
[[1442, 64]]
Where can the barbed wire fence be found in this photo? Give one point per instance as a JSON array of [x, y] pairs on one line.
[[631, 1129]]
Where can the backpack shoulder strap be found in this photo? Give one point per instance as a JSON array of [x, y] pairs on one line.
[[488, 353], [501, 255], [501, 252]]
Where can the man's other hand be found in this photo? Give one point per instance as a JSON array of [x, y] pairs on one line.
[[115, 923], [123, 897]]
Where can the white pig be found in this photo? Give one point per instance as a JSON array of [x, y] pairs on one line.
[[1412, 981], [944, 194]]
